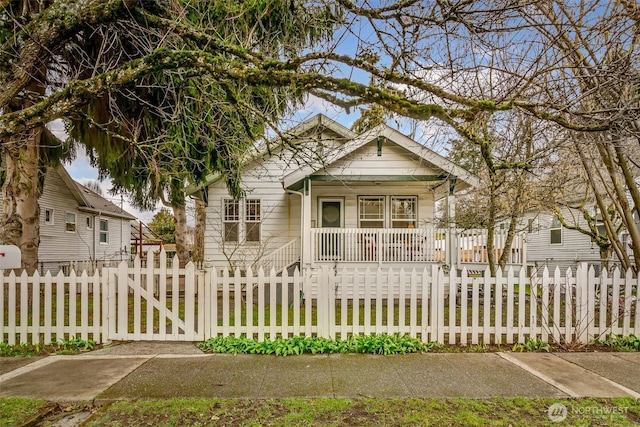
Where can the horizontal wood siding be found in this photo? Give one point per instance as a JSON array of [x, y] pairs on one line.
[[575, 247], [279, 223], [394, 160], [280, 210]]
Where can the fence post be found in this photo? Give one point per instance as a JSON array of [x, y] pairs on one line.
[[582, 278], [435, 304], [323, 303]]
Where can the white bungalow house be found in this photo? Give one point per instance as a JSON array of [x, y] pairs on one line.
[[335, 198], [78, 226]]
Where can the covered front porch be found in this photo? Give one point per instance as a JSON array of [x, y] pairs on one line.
[[393, 246]]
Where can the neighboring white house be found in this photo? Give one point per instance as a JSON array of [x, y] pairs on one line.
[[78, 226], [335, 198]]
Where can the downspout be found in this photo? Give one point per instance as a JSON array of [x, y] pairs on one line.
[[94, 230], [95, 247], [299, 193]]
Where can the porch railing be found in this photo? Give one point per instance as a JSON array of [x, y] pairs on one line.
[[377, 245], [283, 257], [393, 245], [472, 246]]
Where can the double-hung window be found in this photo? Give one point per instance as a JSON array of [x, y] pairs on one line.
[[555, 231], [104, 231], [231, 220], [242, 219], [371, 210], [70, 222], [252, 219], [403, 212]]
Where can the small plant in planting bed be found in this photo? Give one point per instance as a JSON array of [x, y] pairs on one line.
[[374, 344]]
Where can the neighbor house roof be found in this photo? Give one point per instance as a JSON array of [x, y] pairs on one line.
[[90, 201]]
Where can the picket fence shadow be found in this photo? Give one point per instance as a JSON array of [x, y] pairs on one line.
[[161, 302]]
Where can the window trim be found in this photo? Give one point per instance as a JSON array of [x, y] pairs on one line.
[[226, 220], [414, 220], [384, 211], [552, 229], [241, 220], [255, 223], [67, 223], [105, 232], [51, 216], [89, 223]]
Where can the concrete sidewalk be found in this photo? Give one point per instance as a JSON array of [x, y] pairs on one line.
[[165, 370]]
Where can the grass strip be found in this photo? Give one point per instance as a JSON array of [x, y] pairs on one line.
[[367, 412]]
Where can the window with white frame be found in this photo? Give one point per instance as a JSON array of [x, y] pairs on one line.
[[48, 216], [70, 222], [371, 211], [104, 231], [242, 219], [89, 223], [252, 220], [403, 211], [231, 220], [555, 231], [532, 226]]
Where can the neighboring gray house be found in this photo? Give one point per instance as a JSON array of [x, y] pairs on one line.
[[78, 226], [550, 244]]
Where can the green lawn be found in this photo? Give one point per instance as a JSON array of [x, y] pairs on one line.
[[341, 412]]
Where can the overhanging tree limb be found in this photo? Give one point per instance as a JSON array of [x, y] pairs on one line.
[[47, 31]]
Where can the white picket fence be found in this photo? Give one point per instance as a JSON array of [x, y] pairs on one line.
[[156, 302]]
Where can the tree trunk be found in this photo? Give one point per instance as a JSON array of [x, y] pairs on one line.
[[20, 223], [180, 218], [198, 235]]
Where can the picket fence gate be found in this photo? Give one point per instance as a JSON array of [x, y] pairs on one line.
[[156, 302]]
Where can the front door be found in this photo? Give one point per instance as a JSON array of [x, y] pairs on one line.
[[331, 216]]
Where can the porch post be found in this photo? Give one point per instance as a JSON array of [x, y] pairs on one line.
[[452, 250], [306, 215]]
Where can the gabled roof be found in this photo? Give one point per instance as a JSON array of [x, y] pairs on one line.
[[89, 201], [319, 122], [429, 156]]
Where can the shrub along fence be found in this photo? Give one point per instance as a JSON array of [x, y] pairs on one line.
[[158, 302]]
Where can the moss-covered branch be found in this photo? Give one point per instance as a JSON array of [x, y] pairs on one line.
[[22, 54]]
